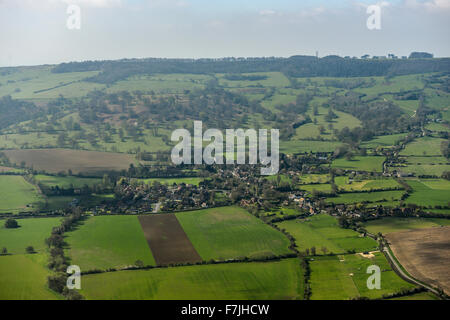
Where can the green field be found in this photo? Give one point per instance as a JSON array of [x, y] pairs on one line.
[[193, 181], [323, 231], [32, 232], [17, 195], [305, 146], [429, 192], [344, 277], [390, 224], [384, 141], [370, 197], [319, 187], [235, 281], [425, 146], [65, 182], [347, 184], [425, 166], [358, 163], [108, 241], [24, 277], [231, 232]]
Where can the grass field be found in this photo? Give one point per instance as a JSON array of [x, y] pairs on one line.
[[65, 182], [346, 184], [236, 281], [370, 197], [425, 166], [32, 231], [344, 277], [108, 241], [423, 146], [304, 146], [384, 141], [358, 163], [17, 195], [193, 181], [429, 192], [323, 231], [390, 224], [24, 277], [231, 232]]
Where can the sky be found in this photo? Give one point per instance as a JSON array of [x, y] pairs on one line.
[[34, 32]]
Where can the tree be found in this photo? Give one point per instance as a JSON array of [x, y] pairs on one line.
[[324, 250], [11, 224], [30, 250], [421, 55], [313, 251], [4, 251], [139, 263]]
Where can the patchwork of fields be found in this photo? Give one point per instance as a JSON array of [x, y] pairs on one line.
[[217, 253], [323, 233]]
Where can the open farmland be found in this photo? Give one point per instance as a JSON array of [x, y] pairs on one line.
[[425, 146], [347, 184], [65, 182], [369, 197], [32, 232], [231, 232], [107, 242], [369, 163], [24, 277], [78, 161], [235, 281], [18, 195], [384, 141], [429, 192], [391, 224], [344, 277], [167, 240], [322, 231], [425, 166], [425, 254]]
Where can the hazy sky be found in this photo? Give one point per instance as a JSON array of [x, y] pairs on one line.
[[34, 31]]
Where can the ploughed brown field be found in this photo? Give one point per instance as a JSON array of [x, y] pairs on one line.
[[167, 239], [61, 160], [425, 254]]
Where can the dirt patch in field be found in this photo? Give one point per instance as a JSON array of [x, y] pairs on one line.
[[425, 254], [62, 160], [368, 255], [167, 239]]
